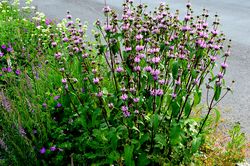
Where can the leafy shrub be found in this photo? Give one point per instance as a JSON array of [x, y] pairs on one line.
[[126, 98]]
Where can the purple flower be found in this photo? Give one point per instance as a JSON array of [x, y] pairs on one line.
[[139, 37], [94, 71], [188, 5], [9, 69], [124, 97], [173, 95], [44, 105], [42, 150], [132, 90], [224, 65], [139, 48], [85, 55], [137, 60], [70, 23], [18, 72], [64, 80], [69, 16], [155, 72], [128, 49], [125, 111], [214, 32], [178, 82], [96, 80], [58, 55], [3, 46], [1, 54], [108, 28], [65, 39], [148, 68], [142, 56], [220, 75], [53, 148], [136, 100], [119, 69], [4, 69], [76, 49], [202, 43], [9, 49], [159, 92], [22, 131], [216, 47], [125, 27], [162, 82], [106, 9], [99, 94], [58, 105], [156, 60], [187, 17], [153, 92], [137, 68], [54, 44], [47, 21], [56, 97], [213, 58]]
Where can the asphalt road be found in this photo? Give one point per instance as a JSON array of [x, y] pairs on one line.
[[235, 19]]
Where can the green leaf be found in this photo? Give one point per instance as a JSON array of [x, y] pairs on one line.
[[160, 140], [162, 47], [175, 67], [113, 156], [136, 129], [155, 121], [193, 73], [175, 108], [217, 93], [115, 48], [188, 107], [144, 138], [217, 115], [128, 156], [143, 160], [197, 98], [196, 143], [175, 133]]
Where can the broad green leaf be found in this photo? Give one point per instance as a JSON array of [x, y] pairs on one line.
[[175, 67], [175, 134], [188, 107], [196, 143], [175, 108], [143, 160], [144, 138], [155, 121], [217, 93], [197, 98], [128, 156]]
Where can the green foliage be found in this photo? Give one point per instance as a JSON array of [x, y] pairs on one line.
[[127, 98]]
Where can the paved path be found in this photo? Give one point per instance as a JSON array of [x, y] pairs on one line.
[[235, 19]]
